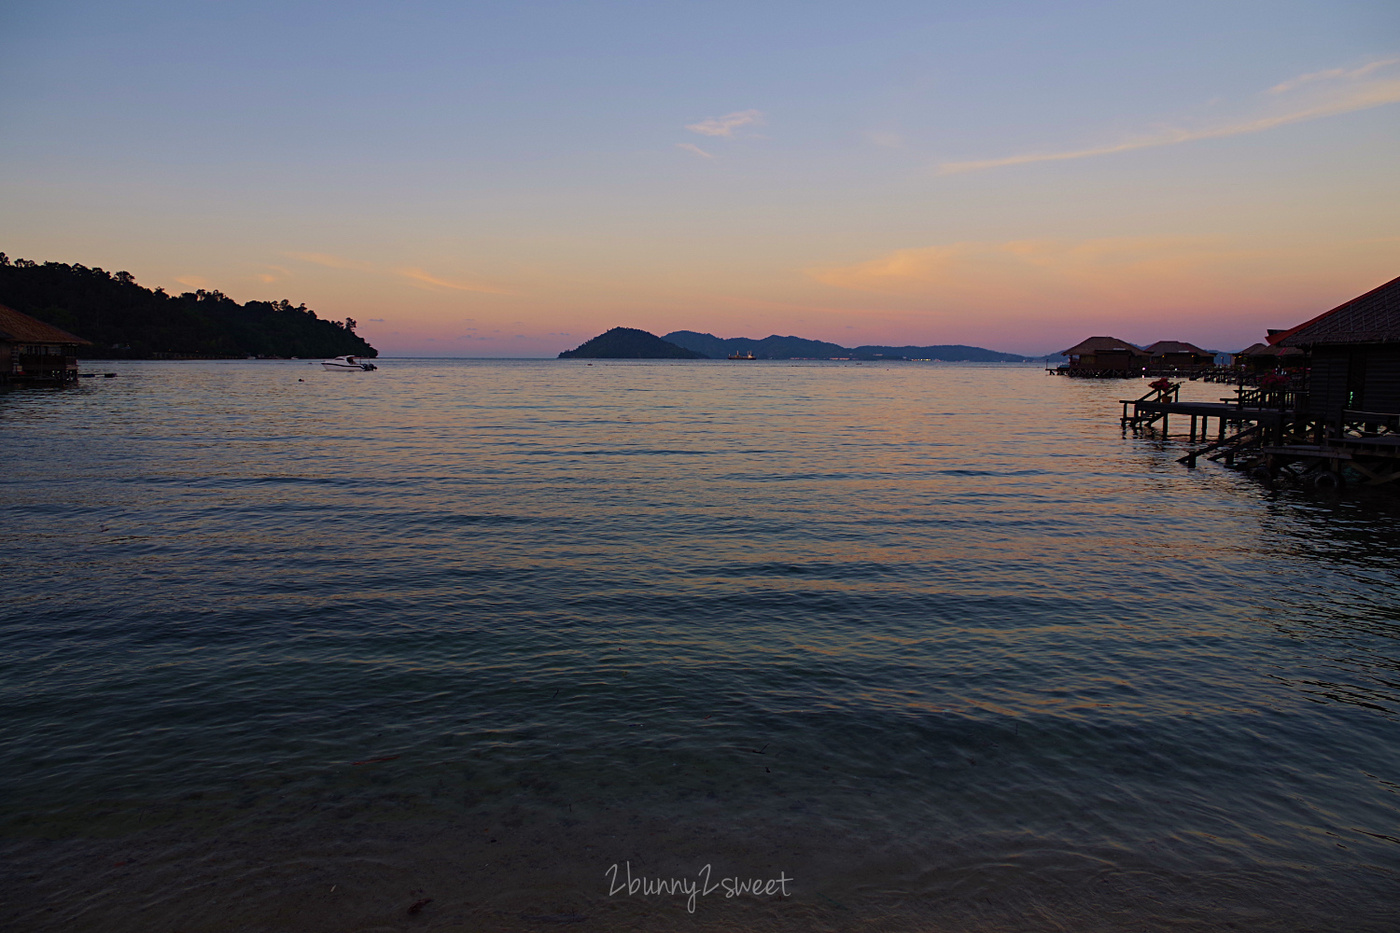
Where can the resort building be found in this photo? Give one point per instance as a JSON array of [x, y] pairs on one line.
[[1354, 352], [35, 353], [1178, 356], [1261, 358], [1106, 356]]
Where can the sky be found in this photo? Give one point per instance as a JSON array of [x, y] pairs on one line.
[[509, 179]]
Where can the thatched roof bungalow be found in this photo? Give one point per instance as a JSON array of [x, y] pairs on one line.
[[34, 352], [1106, 356], [1262, 358], [1179, 355]]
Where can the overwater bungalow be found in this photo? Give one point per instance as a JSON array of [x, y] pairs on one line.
[[1260, 358], [1335, 416], [1179, 356], [1106, 357], [35, 353], [1354, 355]]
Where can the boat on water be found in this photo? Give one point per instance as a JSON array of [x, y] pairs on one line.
[[742, 356], [348, 363]]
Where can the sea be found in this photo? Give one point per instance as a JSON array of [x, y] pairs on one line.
[[495, 645]]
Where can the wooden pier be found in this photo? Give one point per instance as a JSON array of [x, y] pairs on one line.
[[1274, 437], [1369, 443], [1247, 409], [1332, 413]]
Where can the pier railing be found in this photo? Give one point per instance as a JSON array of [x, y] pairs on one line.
[[1161, 392], [1277, 391]]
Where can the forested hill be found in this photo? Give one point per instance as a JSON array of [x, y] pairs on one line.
[[629, 343], [125, 320]]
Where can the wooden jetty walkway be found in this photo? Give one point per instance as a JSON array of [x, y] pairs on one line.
[[1269, 434], [1327, 410]]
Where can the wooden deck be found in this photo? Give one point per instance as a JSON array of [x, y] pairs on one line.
[[1159, 405], [1275, 440], [1376, 459], [1225, 410]]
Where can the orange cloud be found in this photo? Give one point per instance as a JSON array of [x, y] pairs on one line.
[[1034, 273], [333, 262], [432, 281], [1122, 275]]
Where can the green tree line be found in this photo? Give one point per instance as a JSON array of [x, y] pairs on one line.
[[125, 320]]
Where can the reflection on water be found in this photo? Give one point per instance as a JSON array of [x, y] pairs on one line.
[[937, 642]]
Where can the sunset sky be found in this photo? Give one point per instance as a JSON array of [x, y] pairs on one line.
[[512, 178]]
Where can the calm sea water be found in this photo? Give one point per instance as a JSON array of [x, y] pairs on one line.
[[285, 649]]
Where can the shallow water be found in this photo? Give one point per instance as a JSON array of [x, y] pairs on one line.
[[936, 642]]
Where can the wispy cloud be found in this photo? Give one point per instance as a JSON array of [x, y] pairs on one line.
[[727, 124], [976, 264], [277, 274], [420, 277], [193, 281], [1129, 274], [333, 262], [1117, 277], [691, 147], [1331, 93], [432, 281], [1331, 75]]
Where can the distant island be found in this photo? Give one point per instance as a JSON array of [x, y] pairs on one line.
[[125, 320], [628, 343], [623, 343], [798, 348]]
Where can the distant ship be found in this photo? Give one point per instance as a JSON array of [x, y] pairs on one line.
[[742, 356]]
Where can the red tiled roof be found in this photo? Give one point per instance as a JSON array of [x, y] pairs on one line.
[[1370, 318]]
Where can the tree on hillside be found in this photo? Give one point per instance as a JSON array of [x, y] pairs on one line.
[[125, 320]]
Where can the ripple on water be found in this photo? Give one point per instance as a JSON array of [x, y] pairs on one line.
[[484, 628]]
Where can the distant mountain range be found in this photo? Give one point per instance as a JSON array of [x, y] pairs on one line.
[[799, 348], [629, 343]]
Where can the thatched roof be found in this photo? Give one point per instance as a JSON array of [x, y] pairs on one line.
[[16, 327], [1103, 345], [1370, 318], [1176, 346]]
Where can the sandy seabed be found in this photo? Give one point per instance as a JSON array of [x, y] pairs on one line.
[[518, 870]]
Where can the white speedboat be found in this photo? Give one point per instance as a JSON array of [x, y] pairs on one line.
[[348, 362]]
